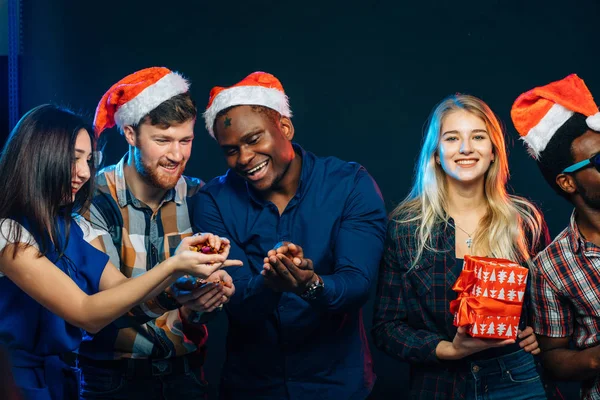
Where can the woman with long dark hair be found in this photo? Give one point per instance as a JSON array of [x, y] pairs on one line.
[[54, 283]]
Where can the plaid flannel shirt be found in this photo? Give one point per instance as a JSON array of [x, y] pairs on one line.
[[566, 294], [412, 309], [136, 239]]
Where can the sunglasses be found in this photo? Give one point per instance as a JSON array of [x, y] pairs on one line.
[[594, 160]]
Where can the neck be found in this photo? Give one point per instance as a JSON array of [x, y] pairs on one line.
[[282, 192], [141, 190], [466, 200], [588, 222]]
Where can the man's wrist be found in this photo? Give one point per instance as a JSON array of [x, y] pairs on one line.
[[313, 289]]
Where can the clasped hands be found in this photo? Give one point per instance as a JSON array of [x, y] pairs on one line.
[[216, 287], [285, 269]]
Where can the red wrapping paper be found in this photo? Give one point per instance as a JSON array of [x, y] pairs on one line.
[[490, 297]]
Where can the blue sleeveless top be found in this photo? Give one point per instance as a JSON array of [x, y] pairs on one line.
[[34, 336]]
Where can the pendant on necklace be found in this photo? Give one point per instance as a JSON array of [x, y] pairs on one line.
[[469, 241]]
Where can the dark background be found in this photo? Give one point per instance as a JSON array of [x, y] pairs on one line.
[[362, 78]]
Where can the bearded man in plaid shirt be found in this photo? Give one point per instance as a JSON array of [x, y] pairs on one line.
[[141, 208], [561, 124]]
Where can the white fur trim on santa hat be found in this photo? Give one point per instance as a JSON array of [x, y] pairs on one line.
[[148, 99], [593, 122], [247, 95], [538, 137]]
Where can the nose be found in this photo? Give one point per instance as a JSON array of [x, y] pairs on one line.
[[175, 154], [465, 147], [245, 157], [82, 170]]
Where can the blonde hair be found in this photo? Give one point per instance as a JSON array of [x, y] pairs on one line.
[[501, 232]]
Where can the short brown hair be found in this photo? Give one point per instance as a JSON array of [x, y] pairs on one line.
[[177, 110]]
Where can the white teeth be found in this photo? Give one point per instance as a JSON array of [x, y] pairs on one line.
[[259, 166], [465, 162]]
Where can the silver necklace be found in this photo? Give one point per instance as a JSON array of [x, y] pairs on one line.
[[469, 240]]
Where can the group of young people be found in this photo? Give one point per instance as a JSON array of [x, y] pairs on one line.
[[106, 264]]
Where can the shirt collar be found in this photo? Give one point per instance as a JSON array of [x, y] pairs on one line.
[[125, 197], [577, 240]]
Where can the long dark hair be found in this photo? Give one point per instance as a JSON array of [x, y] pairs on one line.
[[36, 165]]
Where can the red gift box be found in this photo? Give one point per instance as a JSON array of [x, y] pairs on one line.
[[490, 297]]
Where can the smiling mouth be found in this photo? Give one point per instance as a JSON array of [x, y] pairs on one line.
[[256, 169], [466, 162], [172, 168]]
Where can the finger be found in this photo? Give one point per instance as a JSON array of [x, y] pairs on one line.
[[233, 263], [228, 291], [218, 304], [536, 351], [268, 271], [526, 332], [298, 274], [191, 296], [214, 301], [202, 290], [217, 244], [528, 340], [209, 258], [462, 330], [303, 263], [531, 347], [281, 269], [296, 250], [205, 302], [271, 253], [196, 239], [282, 249]]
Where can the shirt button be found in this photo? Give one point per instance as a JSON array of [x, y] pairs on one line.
[[476, 368]]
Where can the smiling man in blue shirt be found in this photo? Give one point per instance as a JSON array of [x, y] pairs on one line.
[[295, 322]]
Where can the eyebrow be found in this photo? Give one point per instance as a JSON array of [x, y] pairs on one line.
[[169, 137], [79, 151], [473, 131]]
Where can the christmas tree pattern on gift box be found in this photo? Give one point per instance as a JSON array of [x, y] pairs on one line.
[[496, 287]]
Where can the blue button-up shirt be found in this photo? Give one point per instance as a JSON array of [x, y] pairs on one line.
[[279, 345]]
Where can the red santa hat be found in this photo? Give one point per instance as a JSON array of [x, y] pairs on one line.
[[257, 89], [134, 96], [540, 112]]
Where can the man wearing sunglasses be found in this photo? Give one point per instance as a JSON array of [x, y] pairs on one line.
[[561, 125]]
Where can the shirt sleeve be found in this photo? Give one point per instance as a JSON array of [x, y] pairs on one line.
[[9, 230], [89, 233], [391, 332], [101, 229], [252, 300], [357, 248], [551, 312]]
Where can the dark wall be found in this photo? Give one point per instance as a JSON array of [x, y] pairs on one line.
[[361, 78]]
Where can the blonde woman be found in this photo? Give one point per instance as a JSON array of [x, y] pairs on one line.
[[458, 205]]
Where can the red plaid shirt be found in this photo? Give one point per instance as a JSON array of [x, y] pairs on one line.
[[566, 294], [412, 312]]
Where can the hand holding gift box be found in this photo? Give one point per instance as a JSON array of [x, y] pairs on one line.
[[490, 297]]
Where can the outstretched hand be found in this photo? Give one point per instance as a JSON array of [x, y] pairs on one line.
[[199, 264], [465, 345]]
